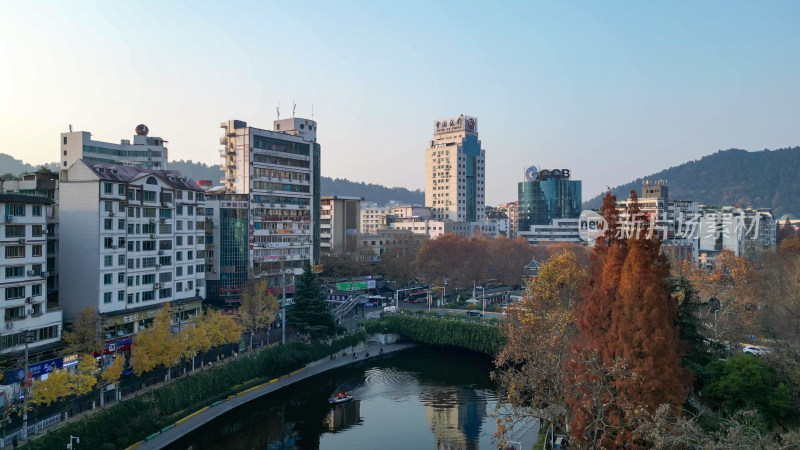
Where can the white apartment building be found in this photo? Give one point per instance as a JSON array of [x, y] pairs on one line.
[[512, 213], [132, 239], [744, 231], [373, 217], [455, 171], [145, 151], [23, 276], [279, 171]]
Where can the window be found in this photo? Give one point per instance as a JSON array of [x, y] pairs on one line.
[[165, 293], [165, 277], [108, 224], [179, 272], [121, 277], [178, 256], [149, 212], [149, 196], [166, 197], [120, 296], [130, 281], [148, 279], [108, 242], [147, 295], [178, 287], [121, 223], [15, 231], [65, 143], [178, 225], [120, 260], [106, 297], [36, 231], [14, 272], [15, 292], [165, 214], [108, 188], [108, 260], [15, 251], [36, 210], [36, 290], [108, 206], [152, 180], [121, 189], [107, 278], [15, 210]]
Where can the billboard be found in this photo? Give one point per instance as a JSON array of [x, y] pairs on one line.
[[355, 285]]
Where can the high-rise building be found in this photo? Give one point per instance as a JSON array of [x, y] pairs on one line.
[[148, 152], [131, 240], [24, 275], [455, 171], [546, 195], [278, 172], [339, 224]]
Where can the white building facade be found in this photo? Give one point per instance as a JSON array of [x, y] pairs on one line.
[[278, 171], [145, 151], [132, 239], [24, 276]]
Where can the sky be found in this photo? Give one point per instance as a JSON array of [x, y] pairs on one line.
[[612, 90]]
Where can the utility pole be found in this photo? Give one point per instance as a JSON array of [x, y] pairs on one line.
[[25, 390], [283, 305]]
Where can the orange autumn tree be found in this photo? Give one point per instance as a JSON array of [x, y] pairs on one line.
[[627, 360]]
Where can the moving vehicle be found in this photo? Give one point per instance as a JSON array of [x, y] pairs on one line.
[[417, 297], [475, 313]]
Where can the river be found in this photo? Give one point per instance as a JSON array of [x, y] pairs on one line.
[[417, 399]]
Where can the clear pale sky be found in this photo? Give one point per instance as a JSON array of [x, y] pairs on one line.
[[611, 90]]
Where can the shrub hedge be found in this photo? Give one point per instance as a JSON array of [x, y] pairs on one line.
[[454, 333], [135, 418]]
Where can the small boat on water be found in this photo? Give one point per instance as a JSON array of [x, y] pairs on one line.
[[343, 399]]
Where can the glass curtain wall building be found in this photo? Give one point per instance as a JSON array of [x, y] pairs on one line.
[[542, 201]]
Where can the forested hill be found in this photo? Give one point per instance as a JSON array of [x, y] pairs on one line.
[[372, 192], [200, 171], [763, 179]]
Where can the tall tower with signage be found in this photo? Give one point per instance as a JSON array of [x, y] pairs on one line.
[[455, 170], [546, 195]]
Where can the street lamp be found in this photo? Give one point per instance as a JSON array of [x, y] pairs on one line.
[[77, 441], [483, 294]]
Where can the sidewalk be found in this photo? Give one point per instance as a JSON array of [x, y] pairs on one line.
[[198, 419]]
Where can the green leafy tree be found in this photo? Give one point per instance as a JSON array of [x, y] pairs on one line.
[[310, 313], [746, 381]]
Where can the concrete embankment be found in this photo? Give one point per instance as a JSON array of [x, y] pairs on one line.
[[199, 418]]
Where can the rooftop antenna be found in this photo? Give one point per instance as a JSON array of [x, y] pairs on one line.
[[294, 106], [70, 128], [312, 110], [278, 109]]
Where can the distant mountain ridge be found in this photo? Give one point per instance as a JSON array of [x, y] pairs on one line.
[[201, 171], [761, 179]]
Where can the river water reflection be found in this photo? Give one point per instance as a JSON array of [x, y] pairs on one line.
[[416, 399]]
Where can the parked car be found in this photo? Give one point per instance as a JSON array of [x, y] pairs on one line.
[[753, 350], [475, 313]]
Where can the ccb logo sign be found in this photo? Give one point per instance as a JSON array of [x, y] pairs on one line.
[[555, 174]]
